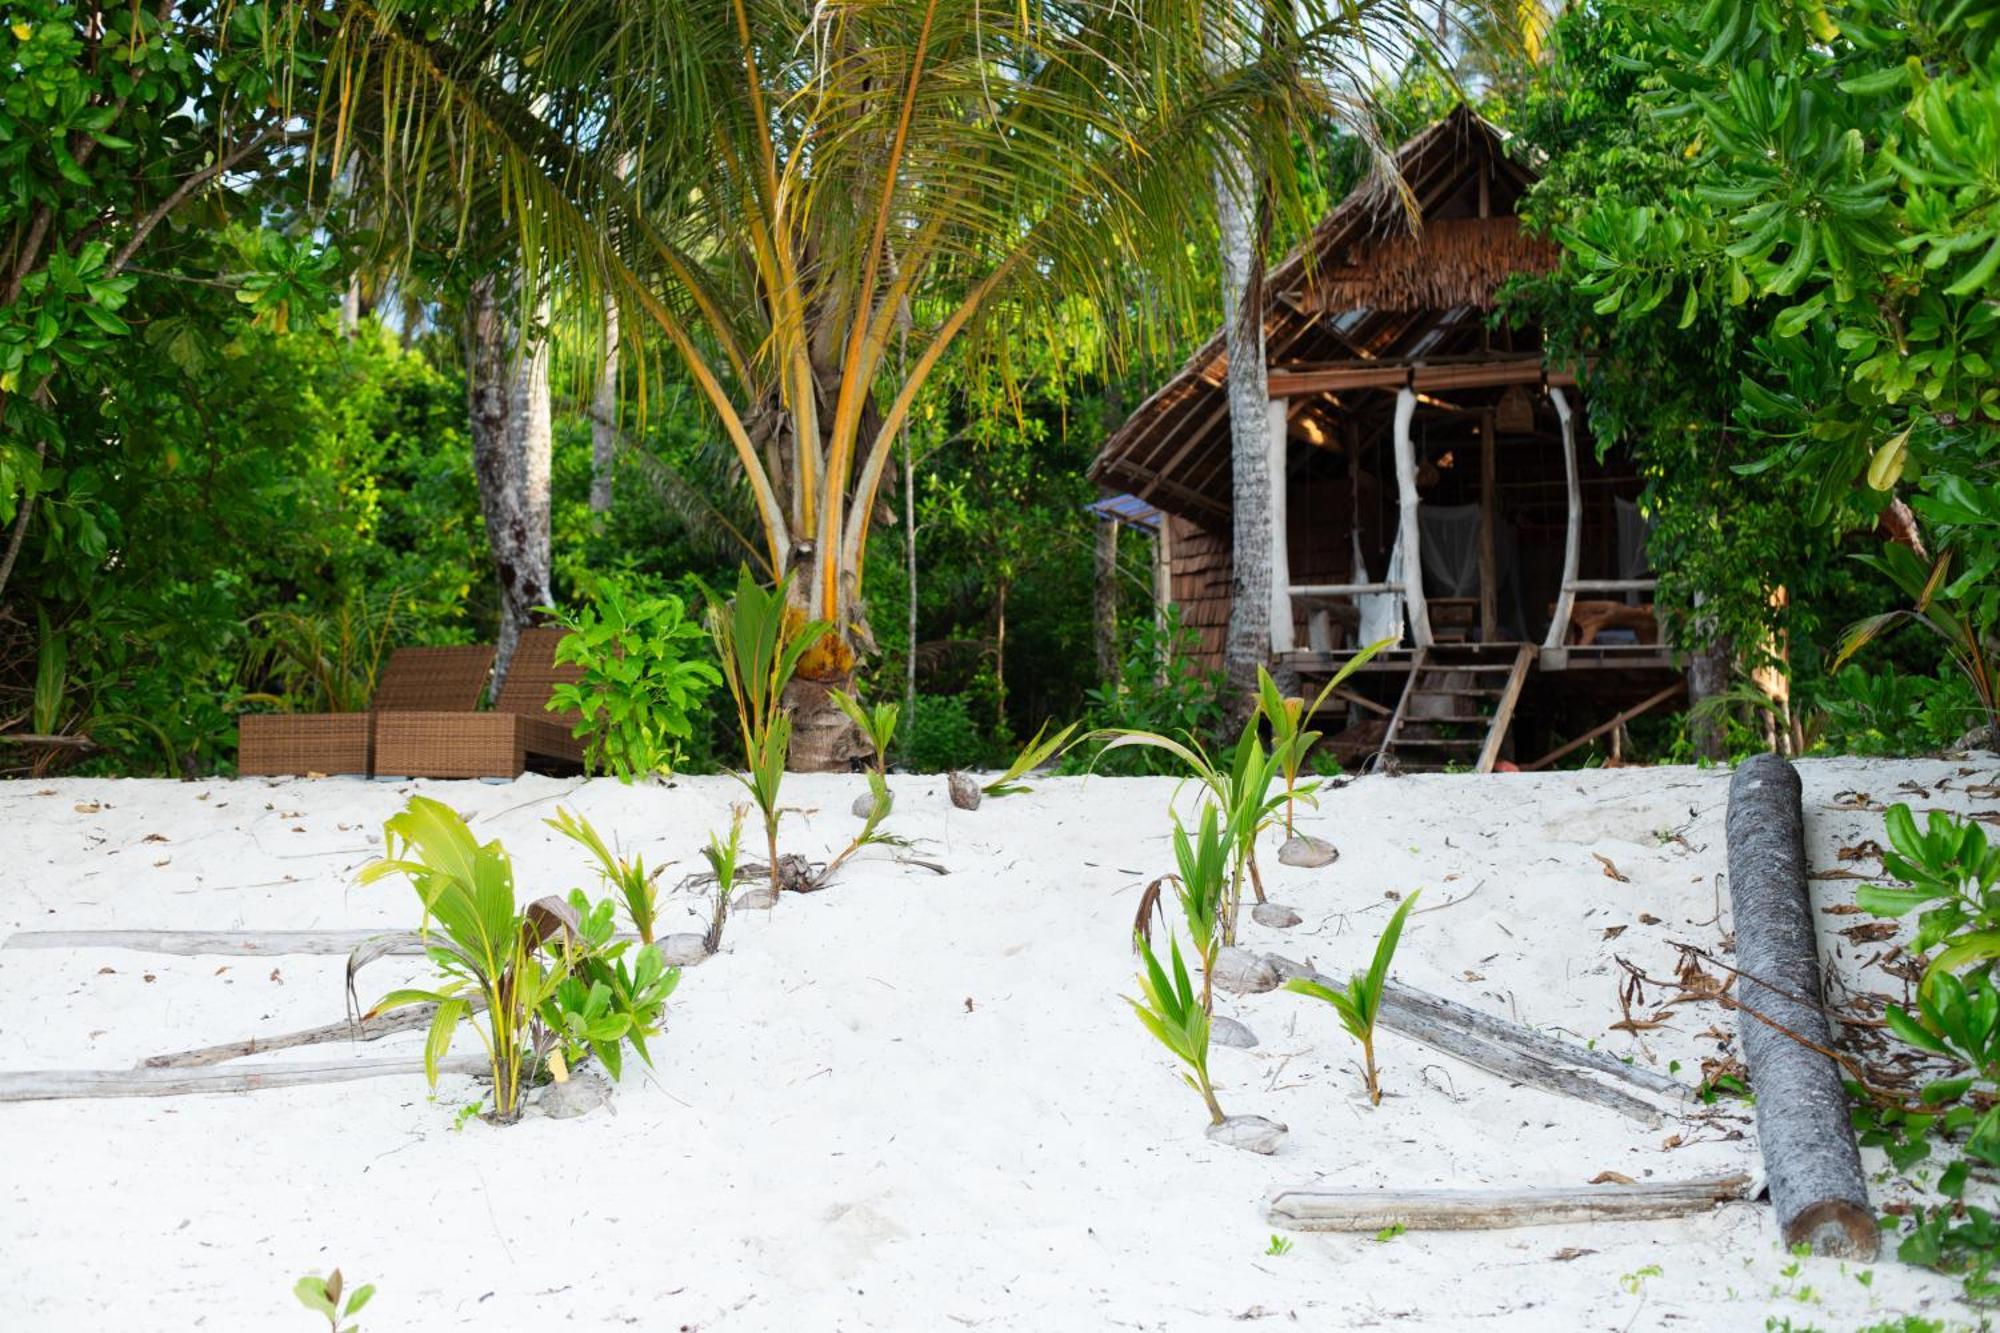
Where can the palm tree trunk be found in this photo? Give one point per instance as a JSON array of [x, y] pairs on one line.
[[1248, 643], [604, 416], [1106, 608], [507, 385]]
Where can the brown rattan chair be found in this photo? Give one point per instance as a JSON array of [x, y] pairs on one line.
[[518, 733], [416, 679]]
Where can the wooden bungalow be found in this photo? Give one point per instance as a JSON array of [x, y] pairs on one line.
[[1433, 481]]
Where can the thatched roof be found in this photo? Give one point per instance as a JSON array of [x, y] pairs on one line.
[[1372, 282]]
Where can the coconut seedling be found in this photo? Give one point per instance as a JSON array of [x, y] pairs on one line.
[[1361, 1003], [1202, 866], [504, 961], [633, 883], [880, 802], [1032, 756], [605, 1003], [1241, 792], [760, 638], [722, 857], [877, 724], [1288, 718], [1174, 1014]]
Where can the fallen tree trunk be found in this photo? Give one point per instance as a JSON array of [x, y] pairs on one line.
[[1485, 1210], [1507, 1049], [414, 1019], [1817, 1189], [37, 1085]]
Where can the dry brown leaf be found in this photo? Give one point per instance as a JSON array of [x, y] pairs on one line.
[[1671, 1142], [1611, 871], [1569, 1252], [1861, 851], [1842, 909], [154, 837], [1610, 1178], [1470, 975], [1648, 919], [1613, 932], [1836, 874], [1872, 932]]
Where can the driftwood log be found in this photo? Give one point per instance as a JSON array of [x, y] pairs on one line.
[[1814, 1168], [414, 1019], [38, 1085], [1511, 1051], [680, 950], [1485, 1210]]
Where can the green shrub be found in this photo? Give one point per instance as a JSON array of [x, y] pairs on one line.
[[939, 734], [1163, 690], [644, 677]]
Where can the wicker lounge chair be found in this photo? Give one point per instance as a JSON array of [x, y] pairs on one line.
[[416, 679], [520, 730]]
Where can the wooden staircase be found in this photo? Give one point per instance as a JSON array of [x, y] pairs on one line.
[[1456, 707]]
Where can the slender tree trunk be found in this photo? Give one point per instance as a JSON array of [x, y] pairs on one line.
[[1248, 644], [910, 556], [1106, 608], [604, 416], [1708, 676], [507, 384]]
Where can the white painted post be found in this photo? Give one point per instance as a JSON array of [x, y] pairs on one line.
[[1281, 563], [1407, 538], [1573, 540]]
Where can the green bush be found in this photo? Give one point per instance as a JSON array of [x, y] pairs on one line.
[[939, 734], [1163, 690], [645, 675]]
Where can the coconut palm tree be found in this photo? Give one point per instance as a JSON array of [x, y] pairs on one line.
[[812, 183]]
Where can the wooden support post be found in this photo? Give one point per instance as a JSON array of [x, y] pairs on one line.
[[1814, 1168], [1573, 538], [1489, 517], [1281, 562], [1407, 536]]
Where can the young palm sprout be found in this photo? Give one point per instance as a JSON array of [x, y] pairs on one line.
[[1241, 792], [881, 802], [878, 724], [1359, 1005], [1288, 718], [722, 860], [634, 883], [1172, 1012], [1032, 756], [760, 640], [1203, 867]]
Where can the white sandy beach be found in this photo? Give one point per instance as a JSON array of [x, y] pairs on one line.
[[909, 1101]]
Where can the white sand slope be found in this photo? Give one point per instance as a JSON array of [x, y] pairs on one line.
[[907, 1102]]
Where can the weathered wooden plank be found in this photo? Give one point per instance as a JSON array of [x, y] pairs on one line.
[[1506, 1049], [36, 1085], [413, 1019], [1485, 1210], [679, 950], [1817, 1188]]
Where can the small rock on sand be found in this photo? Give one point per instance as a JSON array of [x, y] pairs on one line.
[[753, 898], [1243, 973], [684, 950], [1304, 850], [1275, 915], [965, 793], [1252, 1133], [1228, 1032], [583, 1093]]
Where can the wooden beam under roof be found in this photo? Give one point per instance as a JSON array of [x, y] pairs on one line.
[[1388, 375]]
